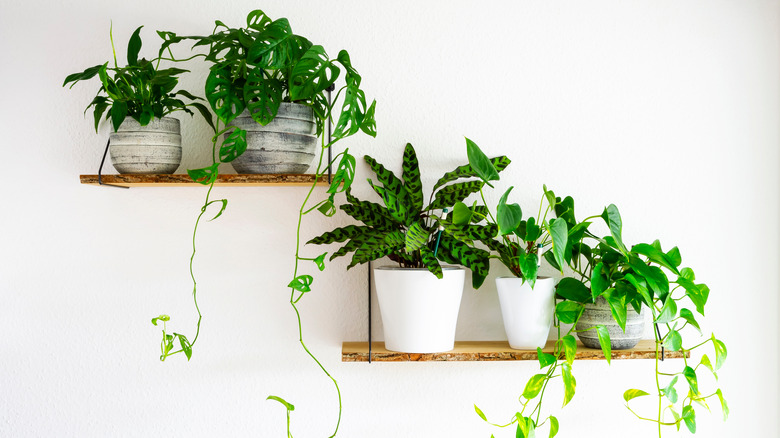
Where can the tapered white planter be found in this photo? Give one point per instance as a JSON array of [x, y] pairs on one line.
[[285, 145], [154, 148], [419, 311], [527, 312]]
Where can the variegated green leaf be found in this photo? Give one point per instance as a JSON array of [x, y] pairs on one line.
[[368, 252], [371, 214], [389, 180], [466, 171], [453, 251], [411, 178], [395, 205], [449, 195], [339, 234], [416, 237], [430, 262]]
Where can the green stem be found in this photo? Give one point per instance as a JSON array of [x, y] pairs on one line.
[[657, 384], [293, 300]]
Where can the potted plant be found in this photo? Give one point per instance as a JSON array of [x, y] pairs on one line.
[[137, 98], [645, 277], [273, 84], [419, 298], [527, 302]]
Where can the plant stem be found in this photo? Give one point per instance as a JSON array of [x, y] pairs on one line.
[[657, 382], [293, 301]]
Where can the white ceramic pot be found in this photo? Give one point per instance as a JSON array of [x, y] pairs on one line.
[[286, 145], [419, 311], [527, 312], [154, 148]]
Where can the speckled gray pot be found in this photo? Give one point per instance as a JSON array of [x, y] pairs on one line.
[[154, 148], [286, 145], [600, 313]]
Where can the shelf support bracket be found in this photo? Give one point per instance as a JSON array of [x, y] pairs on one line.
[[100, 169], [658, 333]]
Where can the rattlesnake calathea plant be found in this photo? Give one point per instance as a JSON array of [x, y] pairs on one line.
[[405, 230], [256, 68]]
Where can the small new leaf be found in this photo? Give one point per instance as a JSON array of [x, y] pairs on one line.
[[302, 283], [632, 394]]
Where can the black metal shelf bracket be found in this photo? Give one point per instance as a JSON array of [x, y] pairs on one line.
[[100, 170], [658, 333]]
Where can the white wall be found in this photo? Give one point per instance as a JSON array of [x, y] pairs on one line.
[[669, 109]]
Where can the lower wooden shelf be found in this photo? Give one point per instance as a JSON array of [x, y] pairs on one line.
[[184, 180], [490, 351]]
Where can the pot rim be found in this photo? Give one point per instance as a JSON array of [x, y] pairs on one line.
[[510, 277], [400, 268]]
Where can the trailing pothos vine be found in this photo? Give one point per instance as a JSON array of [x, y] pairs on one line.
[[254, 69]]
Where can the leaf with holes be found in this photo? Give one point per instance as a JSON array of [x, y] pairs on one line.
[[271, 49], [352, 112], [205, 176], [225, 97], [344, 175], [302, 283], [233, 146], [262, 96], [368, 124], [320, 261], [312, 74], [257, 20], [224, 203]]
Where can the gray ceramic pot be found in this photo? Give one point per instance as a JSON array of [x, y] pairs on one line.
[[154, 148], [286, 145], [600, 314]]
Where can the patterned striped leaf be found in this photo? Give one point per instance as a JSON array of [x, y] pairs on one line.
[[371, 214], [416, 237], [412, 181], [466, 171], [339, 234], [449, 195], [395, 205], [387, 178], [458, 252], [371, 251], [430, 262]]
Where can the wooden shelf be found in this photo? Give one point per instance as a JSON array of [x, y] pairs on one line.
[[183, 180], [490, 351]]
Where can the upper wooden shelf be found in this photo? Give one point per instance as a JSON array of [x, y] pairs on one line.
[[184, 180], [490, 351]]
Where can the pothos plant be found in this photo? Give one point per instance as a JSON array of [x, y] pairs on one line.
[[256, 68], [140, 89], [405, 229], [520, 245], [646, 276]]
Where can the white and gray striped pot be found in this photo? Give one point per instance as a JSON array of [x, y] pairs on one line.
[[286, 145], [600, 314], [154, 148]]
